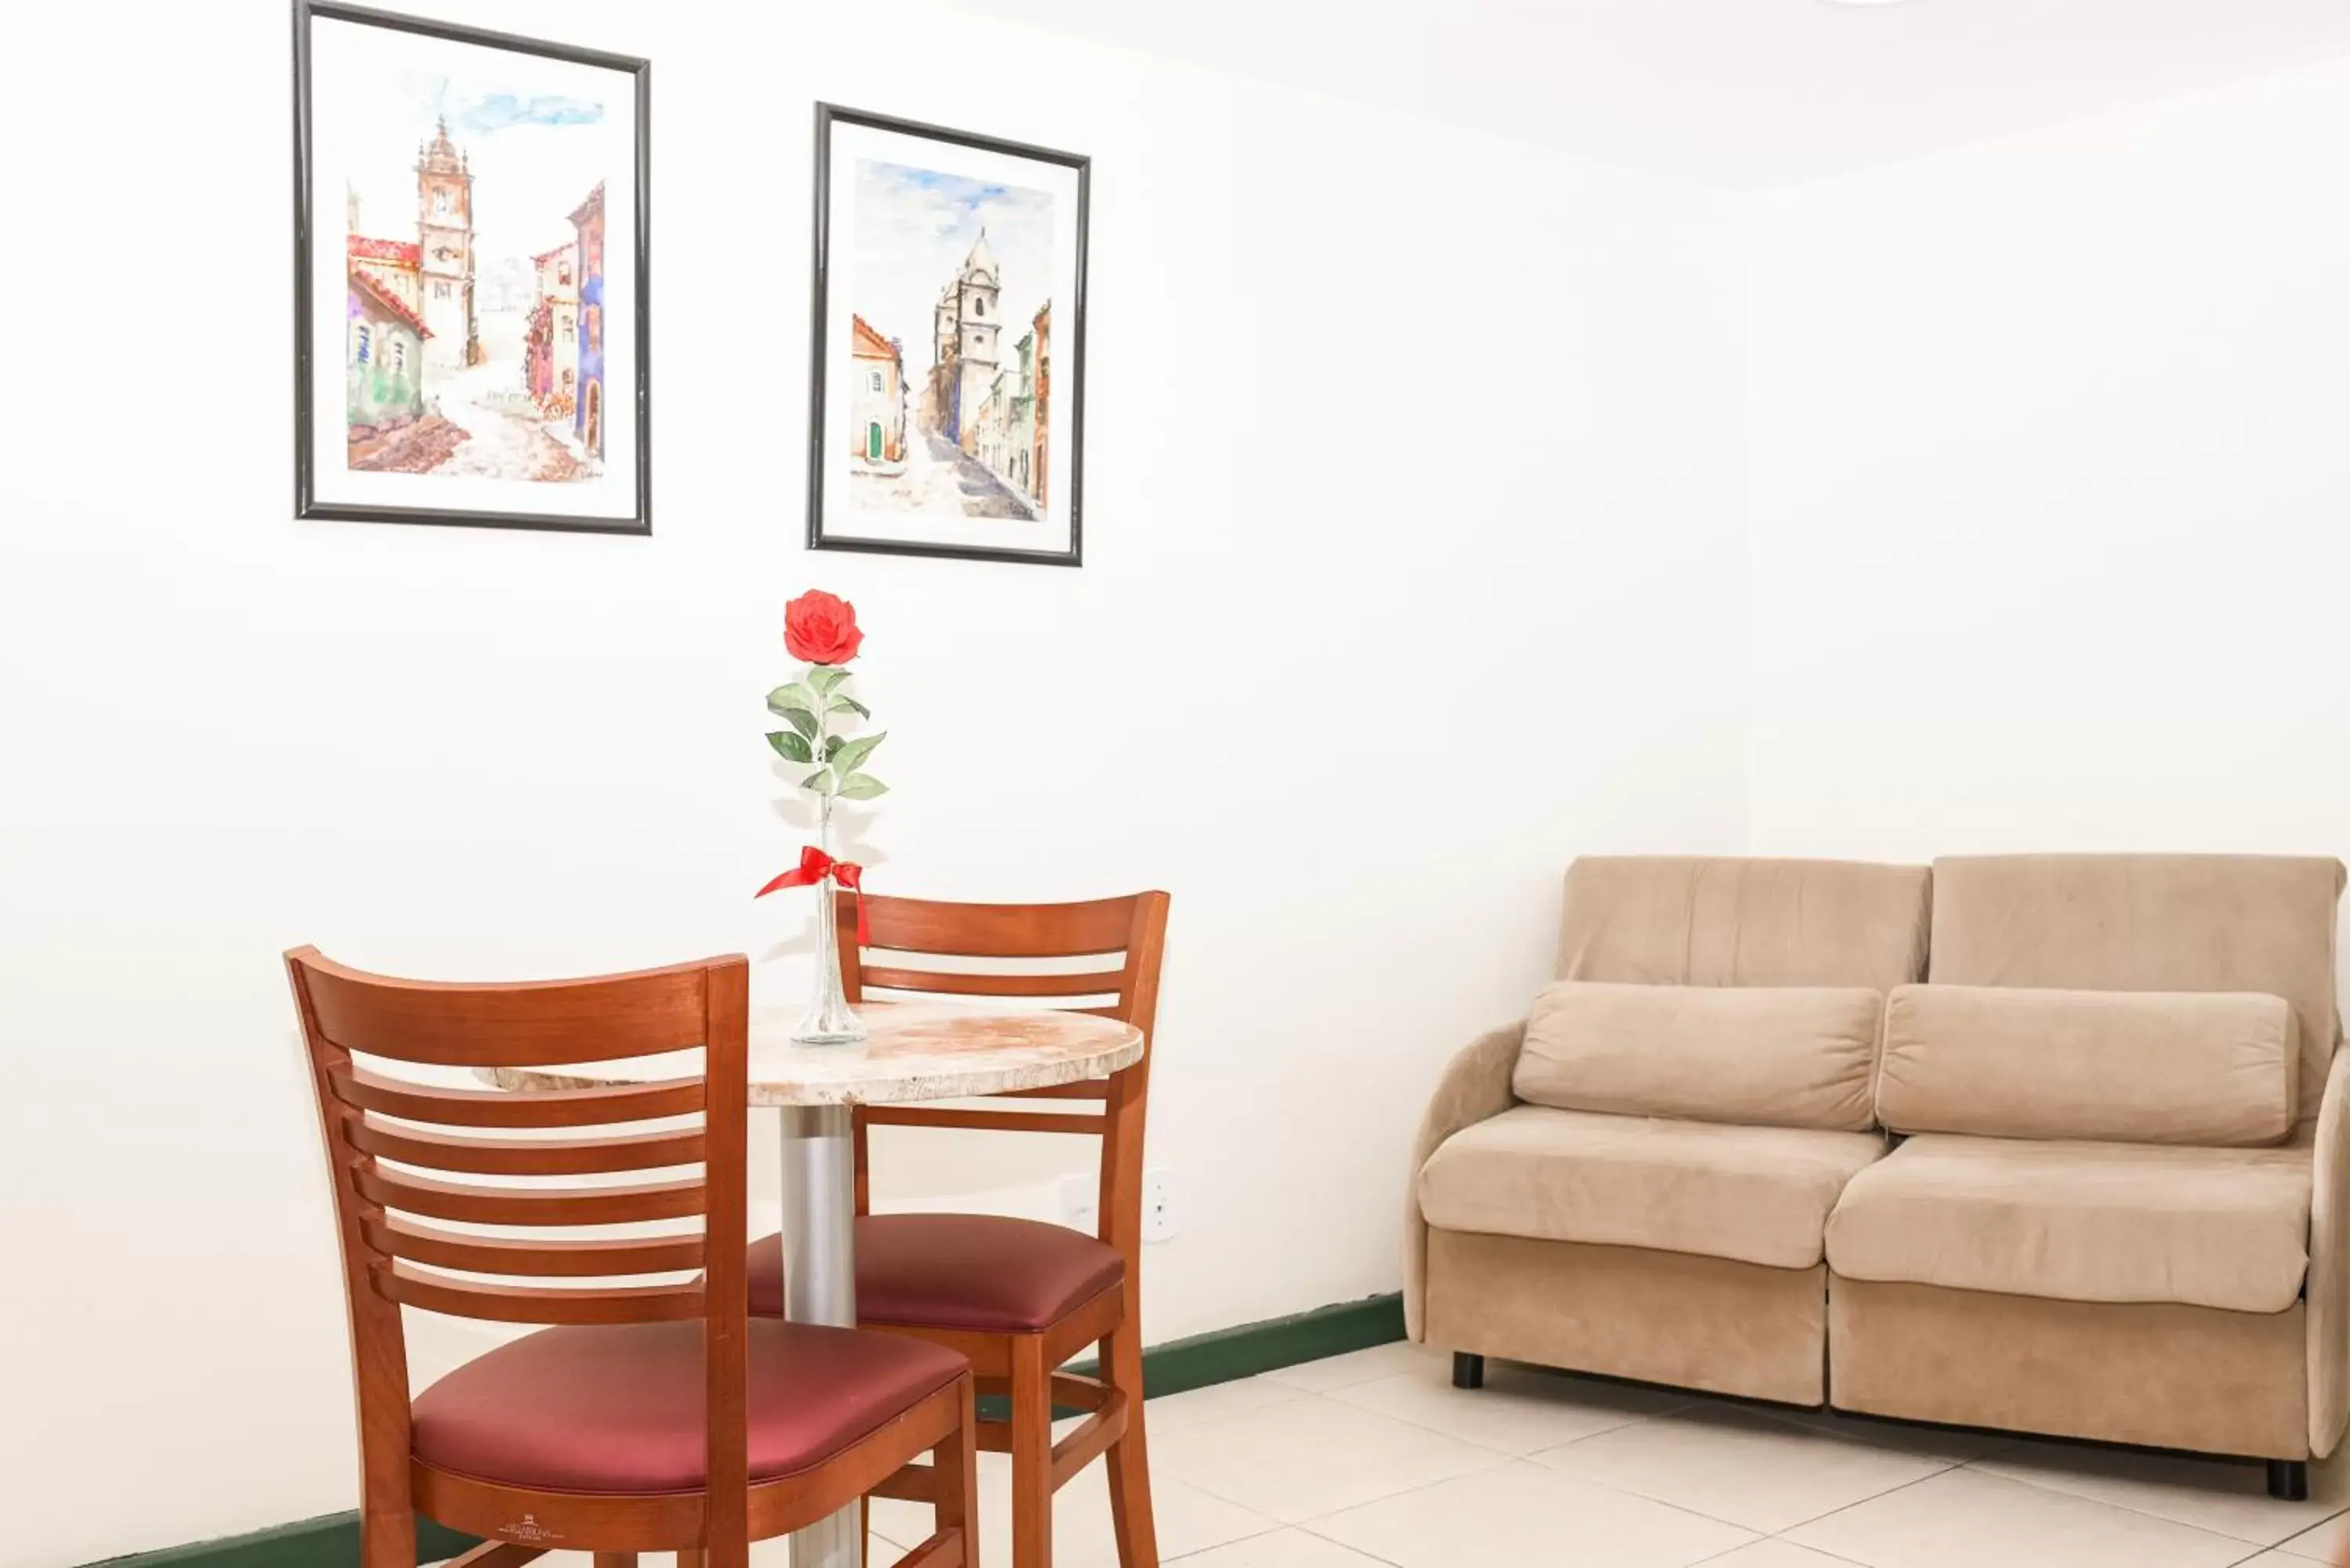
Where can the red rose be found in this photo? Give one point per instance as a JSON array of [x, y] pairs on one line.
[[821, 629]]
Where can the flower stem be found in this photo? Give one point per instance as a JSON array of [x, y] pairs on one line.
[[823, 797]]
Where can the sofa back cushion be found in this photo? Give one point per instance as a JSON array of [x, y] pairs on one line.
[[2213, 1068], [1686, 921], [2148, 922], [1787, 1057]]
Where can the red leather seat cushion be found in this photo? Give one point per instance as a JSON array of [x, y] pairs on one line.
[[618, 1408], [979, 1271]]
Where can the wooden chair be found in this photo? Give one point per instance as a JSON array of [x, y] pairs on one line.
[[656, 1415], [1019, 1298]]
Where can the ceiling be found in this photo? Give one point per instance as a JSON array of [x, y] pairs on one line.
[[1735, 93]]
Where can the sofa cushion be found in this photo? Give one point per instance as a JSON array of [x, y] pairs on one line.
[[1682, 920], [2148, 922], [2081, 1221], [2191, 1067], [1761, 1195], [1792, 1057]]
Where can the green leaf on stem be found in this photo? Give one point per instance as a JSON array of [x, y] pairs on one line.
[[832, 745], [784, 699], [823, 678], [790, 745], [849, 705], [853, 753], [820, 781], [801, 720], [862, 786]]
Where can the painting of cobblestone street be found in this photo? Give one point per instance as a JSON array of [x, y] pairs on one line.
[[943, 408], [464, 200]]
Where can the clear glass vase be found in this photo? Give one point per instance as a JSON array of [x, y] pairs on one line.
[[828, 1020]]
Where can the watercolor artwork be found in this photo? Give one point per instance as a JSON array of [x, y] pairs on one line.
[[950, 333], [474, 267]]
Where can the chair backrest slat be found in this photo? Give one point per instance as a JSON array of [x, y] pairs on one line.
[[548, 1022], [1002, 930], [1132, 928], [632, 1204], [880, 977], [998, 1121], [535, 1304], [602, 1257], [1084, 1089], [603, 1107], [525, 1157]]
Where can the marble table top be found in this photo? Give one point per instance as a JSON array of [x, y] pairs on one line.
[[918, 1051]]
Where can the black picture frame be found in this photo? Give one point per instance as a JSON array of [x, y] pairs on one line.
[[307, 231], [827, 114]]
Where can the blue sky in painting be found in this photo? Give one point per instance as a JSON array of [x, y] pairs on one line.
[[534, 154], [498, 111], [913, 228]]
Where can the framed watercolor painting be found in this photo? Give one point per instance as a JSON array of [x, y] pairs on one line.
[[947, 406], [471, 258]]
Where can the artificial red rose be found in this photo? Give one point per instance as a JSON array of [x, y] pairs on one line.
[[821, 629]]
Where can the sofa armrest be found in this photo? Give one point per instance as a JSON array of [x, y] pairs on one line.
[[1475, 1087], [2328, 1290]]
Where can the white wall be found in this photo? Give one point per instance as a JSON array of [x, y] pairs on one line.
[[2051, 465], [1415, 567]]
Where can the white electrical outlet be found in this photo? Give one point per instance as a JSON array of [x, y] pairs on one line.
[[1081, 1203], [1160, 1217]]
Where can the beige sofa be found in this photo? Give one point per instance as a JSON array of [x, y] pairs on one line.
[[2088, 1178]]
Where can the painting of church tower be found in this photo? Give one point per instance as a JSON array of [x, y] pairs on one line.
[[468, 354], [965, 326], [493, 364], [444, 202], [944, 283]]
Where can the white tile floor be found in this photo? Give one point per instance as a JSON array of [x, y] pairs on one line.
[[1374, 1458]]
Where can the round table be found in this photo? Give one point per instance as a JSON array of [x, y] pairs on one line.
[[917, 1051]]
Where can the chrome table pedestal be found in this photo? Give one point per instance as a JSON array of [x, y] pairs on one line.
[[820, 1277]]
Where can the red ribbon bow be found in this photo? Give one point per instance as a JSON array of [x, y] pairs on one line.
[[814, 867]]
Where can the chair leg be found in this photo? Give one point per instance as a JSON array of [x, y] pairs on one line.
[[387, 1538], [1032, 1454], [957, 1462], [498, 1555], [2288, 1480], [1467, 1371], [1129, 1458], [689, 1557], [619, 1558]]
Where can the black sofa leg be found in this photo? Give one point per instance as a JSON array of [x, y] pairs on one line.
[[2288, 1479], [1469, 1372]]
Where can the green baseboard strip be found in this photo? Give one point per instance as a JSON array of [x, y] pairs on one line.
[[332, 1540], [1228, 1355]]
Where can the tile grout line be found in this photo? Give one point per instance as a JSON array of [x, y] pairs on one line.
[[2286, 1546], [1347, 1546], [1935, 1474], [1861, 1503], [1308, 1525], [1286, 1524], [1276, 1527], [1815, 1551], [2039, 1485], [1942, 1468], [1630, 1420]]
